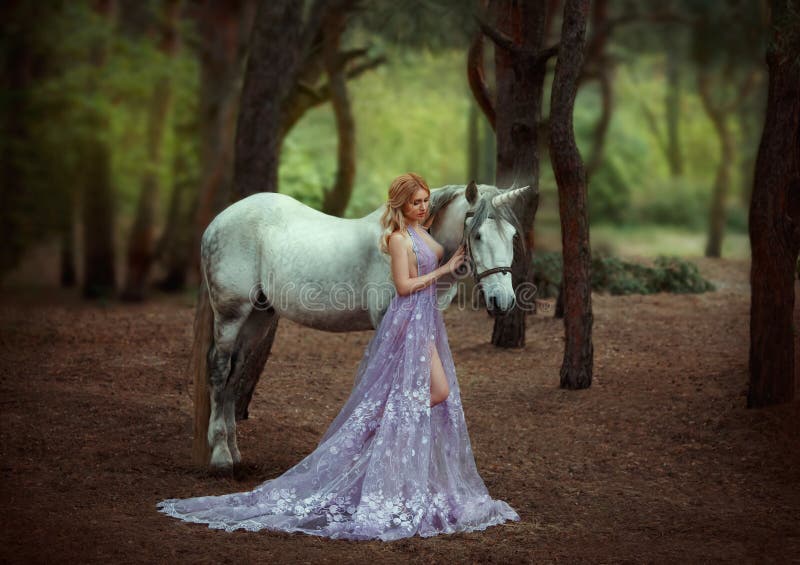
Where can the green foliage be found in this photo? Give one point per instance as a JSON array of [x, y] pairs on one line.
[[419, 23], [673, 274], [72, 99], [547, 273], [410, 114], [677, 202], [615, 276], [725, 31], [610, 195], [736, 219]]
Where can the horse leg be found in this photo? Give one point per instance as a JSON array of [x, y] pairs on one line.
[[253, 346], [251, 373], [230, 425], [219, 362]]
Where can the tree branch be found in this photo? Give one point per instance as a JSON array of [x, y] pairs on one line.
[[477, 80], [601, 128], [498, 37], [653, 123], [545, 55], [747, 86]]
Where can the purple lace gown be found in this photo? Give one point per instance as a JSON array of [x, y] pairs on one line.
[[389, 466]]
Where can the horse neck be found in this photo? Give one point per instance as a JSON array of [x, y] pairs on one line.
[[448, 228]]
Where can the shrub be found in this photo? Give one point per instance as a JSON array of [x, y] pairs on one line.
[[615, 276]]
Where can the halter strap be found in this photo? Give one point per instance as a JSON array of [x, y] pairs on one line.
[[465, 240]]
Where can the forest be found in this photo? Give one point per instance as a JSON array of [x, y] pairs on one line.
[[651, 386]]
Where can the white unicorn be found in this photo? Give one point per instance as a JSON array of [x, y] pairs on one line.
[[268, 256]]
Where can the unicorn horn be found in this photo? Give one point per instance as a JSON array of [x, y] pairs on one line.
[[508, 196]]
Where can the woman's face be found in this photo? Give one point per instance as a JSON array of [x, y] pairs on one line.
[[416, 209]]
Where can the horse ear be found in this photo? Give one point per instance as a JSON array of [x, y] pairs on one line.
[[472, 192]]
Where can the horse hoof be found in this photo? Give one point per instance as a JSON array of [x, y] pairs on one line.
[[221, 461], [220, 470]]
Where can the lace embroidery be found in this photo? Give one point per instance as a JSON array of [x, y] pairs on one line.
[[389, 466]]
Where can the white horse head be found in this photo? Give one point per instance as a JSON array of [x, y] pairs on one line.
[[488, 226]]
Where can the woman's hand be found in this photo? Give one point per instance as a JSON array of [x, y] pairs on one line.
[[456, 260]]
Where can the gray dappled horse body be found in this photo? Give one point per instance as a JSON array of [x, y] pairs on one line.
[[269, 256]]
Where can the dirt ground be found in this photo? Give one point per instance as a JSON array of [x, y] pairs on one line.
[[659, 461]]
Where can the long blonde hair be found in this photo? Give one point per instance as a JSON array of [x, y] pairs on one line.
[[401, 191]]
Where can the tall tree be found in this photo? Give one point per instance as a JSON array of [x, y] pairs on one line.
[[99, 277], [141, 242], [720, 116], [751, 121], [288, 55], [16, 75], [223, 31], [599, 66], [281, 37], [672, 102], [576, 369], [176, 241], [336, 198], [724, 40], [520, 69], [775, 218]]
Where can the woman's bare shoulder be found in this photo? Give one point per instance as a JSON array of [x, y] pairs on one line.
[[398, 235]]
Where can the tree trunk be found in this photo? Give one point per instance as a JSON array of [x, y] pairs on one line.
[[336, 198], [487, 169], [175, 244], [140, 245], [17, 139], [751, 119], [224, 29], [477, 80], [719, 194], [68, 278], [99, 277], [576, 370], [601, 128], [278, 43], [775, 224], [672, 101], [473, 144], [520, 84], [603, 74]]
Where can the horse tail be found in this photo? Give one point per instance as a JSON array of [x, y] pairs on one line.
[[203, 339]]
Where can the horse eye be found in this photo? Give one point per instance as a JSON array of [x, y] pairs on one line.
[[477, 237]]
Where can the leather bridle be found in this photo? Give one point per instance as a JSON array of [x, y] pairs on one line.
[[470, 260]]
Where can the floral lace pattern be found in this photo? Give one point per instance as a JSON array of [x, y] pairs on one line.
[[389, 466]]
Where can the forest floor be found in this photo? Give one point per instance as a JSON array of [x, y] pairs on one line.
[[659, 461]]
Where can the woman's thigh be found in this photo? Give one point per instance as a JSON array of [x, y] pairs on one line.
[[439, 384]]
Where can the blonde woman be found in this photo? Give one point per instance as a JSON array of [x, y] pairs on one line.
[[397, 460]]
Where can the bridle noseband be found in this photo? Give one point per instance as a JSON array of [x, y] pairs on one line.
[[471, 260]]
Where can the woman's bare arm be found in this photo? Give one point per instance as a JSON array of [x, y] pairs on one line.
[[406, 284]]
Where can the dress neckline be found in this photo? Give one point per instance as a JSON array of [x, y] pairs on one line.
[[423, 241]]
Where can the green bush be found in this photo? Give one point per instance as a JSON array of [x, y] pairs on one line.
[[736, 219], [609, 196], [547, 268], [615, 276], [676, 202], [673, 274]]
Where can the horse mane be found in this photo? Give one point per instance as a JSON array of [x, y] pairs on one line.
[[441, 197]]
